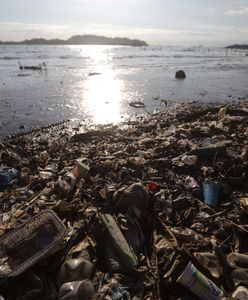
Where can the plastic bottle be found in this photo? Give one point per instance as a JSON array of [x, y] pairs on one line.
[[75, 269], [6, 175], [241, 293], [77, 290], [209, 151], [194, 187]]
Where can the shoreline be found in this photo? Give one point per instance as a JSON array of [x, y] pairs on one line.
[[128, 75], [87, 124]]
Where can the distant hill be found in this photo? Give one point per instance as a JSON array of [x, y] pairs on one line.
[[237, 46], [81, 40]]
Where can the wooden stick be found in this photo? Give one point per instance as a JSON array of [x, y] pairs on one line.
[[238, 226], [5, 148]]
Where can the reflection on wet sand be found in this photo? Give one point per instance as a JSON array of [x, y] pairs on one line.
[[102, 97], [102, 92]]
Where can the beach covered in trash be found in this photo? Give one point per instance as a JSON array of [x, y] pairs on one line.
[[153, 209]]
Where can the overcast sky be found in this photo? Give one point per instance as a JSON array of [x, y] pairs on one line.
[[169, 22]]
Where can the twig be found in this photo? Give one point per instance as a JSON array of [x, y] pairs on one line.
[[208, 206], [33, 198], [158, 280], [223, 242], [228, 170], [215, 215], [147, 259], [214, 160], [5, 148], [156, 275], [238, 226]]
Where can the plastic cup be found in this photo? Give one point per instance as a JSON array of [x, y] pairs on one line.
[[211, 192]]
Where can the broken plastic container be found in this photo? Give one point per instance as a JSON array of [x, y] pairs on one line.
[[24, 246]]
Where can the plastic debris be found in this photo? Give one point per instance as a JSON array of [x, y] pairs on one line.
[[200, 285], [155, 208], [6, 176], [27, 244], [77, 290], [211, 192], [75, 269], [241, 293]]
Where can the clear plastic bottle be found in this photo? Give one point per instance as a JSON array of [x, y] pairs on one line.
[[194, 187]]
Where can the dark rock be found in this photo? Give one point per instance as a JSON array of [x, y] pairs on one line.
[[180, 74], [22, 127], [94, 73]]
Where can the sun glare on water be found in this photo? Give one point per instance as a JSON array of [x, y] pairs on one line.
[[102, 92]]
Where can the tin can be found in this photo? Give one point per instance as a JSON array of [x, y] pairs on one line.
[[80, 170], [211, 192]]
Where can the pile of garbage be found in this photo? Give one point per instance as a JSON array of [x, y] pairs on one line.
[[153, 209]]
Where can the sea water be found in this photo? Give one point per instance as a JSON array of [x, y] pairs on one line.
[[97, 83]]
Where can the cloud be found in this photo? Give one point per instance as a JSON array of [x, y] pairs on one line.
[[241, 10], [226, 30], [20, 31]]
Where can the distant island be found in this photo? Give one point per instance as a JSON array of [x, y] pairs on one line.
[[81, 40], [237, 46]]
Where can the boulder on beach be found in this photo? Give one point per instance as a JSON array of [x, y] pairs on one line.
[[180, 74]]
